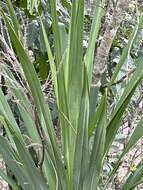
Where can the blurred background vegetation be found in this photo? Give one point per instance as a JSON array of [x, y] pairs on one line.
[[118, 22]]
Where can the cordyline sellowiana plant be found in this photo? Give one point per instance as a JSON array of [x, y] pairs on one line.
[[77, 164]]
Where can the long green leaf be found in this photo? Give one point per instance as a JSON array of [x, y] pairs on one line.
[[14, 164], [61, 88], [24, 105], [9, 180], [74, 71], [127, 49], [136, 135], [97, 155], [96, 24], [134, 178], [81, 156], [13, 17], [42, 107], [113, 124]]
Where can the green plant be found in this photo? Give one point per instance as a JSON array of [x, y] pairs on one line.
[[77, 164]]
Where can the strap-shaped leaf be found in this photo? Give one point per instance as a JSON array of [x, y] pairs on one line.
[[42, 108], [13, 17], [23, 104], [81, 156], [14, 165], [9, 180], [96, 24], [97, 155], [134, 178], [113, 124], [136, 135], [127, 49]]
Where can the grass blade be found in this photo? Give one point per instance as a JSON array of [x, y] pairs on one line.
[[96, 24], [134, 178], [113, 124], [137, 134], [9, 180], [13, 17], [127, 49], [42, 108], [81, 149], [97, 154]]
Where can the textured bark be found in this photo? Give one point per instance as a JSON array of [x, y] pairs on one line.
[[113, 21]]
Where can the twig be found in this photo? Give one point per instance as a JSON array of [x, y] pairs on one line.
[[122, 79]]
